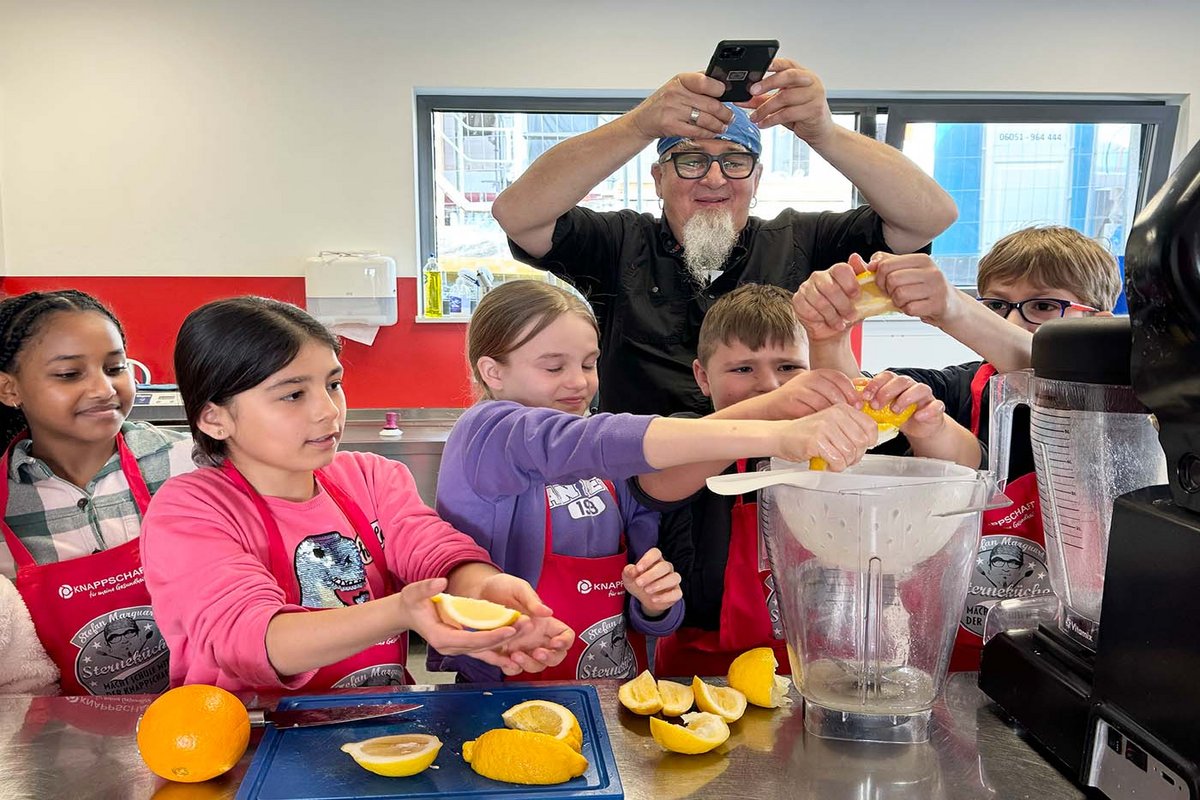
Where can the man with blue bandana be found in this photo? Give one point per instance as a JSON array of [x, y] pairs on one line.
[[651, 280]]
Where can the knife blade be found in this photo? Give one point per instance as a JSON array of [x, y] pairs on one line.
[[308, 717]]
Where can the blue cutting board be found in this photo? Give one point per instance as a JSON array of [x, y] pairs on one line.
[[307, 763]]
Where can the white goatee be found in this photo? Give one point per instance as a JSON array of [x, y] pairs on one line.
[[708, 239]]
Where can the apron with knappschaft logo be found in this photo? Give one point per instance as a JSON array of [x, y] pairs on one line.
[[92, 613], [588, 594]]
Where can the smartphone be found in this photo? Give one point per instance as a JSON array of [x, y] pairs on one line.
[[740, 64]]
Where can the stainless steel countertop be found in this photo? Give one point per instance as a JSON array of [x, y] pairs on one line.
[[83, 748]]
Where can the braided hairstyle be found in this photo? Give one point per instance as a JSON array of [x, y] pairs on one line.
[[22, 316]]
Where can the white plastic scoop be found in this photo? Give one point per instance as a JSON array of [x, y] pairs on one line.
[[743, 482]]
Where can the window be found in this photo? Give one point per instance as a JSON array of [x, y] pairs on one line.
[[1007, 165], [1088, 166]]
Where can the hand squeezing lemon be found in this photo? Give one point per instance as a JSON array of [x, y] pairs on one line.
[[888, 420]]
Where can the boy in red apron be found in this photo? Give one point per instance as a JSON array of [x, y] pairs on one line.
[[752, 360], [1028, 278], [288, 565], [78, 478]]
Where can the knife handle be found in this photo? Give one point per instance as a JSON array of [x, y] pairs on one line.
[[258, 717]]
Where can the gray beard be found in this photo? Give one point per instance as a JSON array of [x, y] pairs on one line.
[[708, 239]]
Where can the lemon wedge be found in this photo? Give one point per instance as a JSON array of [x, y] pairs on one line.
[[640, 695], [524, 757], [753, 674], [542, 716], [395, 756], [468, 612], [676, 698], [702, 733], [728, 704], [872, 301]]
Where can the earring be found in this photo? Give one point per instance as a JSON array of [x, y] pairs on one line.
[[753, 202], [660, 204]]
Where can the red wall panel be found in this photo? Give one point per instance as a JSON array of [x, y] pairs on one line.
[[409, 366]]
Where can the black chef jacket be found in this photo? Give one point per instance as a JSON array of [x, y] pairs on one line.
[[650, 308]]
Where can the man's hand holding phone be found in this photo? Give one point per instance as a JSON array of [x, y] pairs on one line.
[[686, 105], [793, 97]]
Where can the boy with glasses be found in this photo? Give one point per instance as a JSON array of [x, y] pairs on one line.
[[1028, 278], [651, 280]]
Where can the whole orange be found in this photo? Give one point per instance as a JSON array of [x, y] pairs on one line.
[[193, 733]]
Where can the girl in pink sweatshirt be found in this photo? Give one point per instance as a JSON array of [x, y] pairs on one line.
[[283, 564]]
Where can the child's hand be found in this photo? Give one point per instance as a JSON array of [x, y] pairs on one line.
[[808, 393], [899, 392], [824, 303], [654, 582], [840, 434], [420, 615], [543, 641], [916, 284]]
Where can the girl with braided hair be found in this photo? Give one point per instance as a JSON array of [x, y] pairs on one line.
[[77, 479]]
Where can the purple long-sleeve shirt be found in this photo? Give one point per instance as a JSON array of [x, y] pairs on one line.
[[497, 464]]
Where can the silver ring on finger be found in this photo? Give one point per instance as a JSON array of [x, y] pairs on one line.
[[694, 116]]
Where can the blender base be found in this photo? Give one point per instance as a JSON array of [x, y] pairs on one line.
[[1042, 679], [829, 723]]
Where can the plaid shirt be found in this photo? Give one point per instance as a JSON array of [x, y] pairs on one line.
[[58, 521]]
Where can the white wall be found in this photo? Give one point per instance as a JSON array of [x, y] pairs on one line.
[[239, 136]]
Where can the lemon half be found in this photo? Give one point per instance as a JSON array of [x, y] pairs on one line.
[[676, 698], [395, 756], [886, 419], [728, 704], [753, 674], [702, 733], [468, 612], [523, 757], [640, 695], [542, 716]]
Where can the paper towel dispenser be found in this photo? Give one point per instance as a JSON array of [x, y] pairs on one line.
[[346, 288]]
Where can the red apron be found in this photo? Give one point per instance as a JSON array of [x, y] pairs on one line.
[[749, 610], [380, 664], [1011, 559], [588, 594], [93, 613]]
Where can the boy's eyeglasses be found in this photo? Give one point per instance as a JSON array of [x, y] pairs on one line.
[[1035, 310], [693, 166]]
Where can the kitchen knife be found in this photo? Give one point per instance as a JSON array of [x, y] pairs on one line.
[[308, 717]]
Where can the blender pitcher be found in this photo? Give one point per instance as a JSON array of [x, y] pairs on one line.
[[1091, 443], [871, 566]]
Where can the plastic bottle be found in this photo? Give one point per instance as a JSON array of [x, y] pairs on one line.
[[432, 283]]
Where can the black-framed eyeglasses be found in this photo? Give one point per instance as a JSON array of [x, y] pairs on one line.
[[1035, 310], [694, 165]]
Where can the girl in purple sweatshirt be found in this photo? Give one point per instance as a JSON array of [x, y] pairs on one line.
[[284, 564], [542, 486]]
